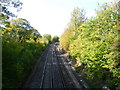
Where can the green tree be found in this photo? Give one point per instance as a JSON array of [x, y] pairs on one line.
[[55, 39], [47, 36], [72, 32], [96, 46], [21, 44]]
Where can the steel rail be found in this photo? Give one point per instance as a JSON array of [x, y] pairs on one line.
[[52, 69], [59, 71], [35, 68], [52, 74], [43, 73], [74, 79]]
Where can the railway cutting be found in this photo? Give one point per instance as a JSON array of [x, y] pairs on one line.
[[50, 71]]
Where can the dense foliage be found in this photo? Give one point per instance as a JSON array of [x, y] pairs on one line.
[[48, 36], [94, 44], [55, 39], [21, 46]]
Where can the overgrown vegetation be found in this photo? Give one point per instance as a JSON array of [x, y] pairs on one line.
[[94, 44], [21, 46]]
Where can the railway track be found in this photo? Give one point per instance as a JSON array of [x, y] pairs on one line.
[[43, 73], [49, 71], [68, 83], [60, 75], [51, 75]]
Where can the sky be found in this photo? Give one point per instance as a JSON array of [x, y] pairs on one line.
[[53, 16]]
